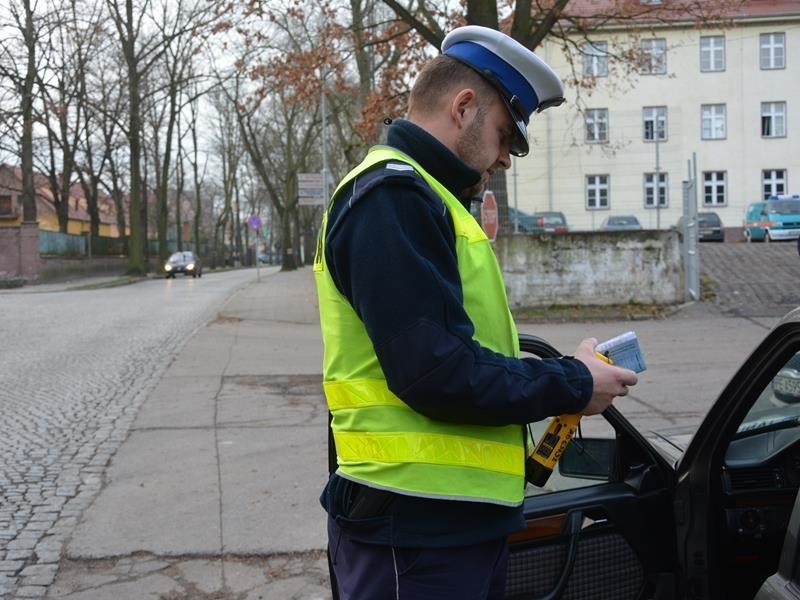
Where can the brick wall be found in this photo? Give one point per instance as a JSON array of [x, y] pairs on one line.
[[19, 251]]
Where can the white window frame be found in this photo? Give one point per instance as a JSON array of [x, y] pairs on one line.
[[596, 125], [713, 122], [598, 192], [712, 53], [772, 50], [654, 56], [654, 122], [773, 182], [773, 119], [595, 59], [650, 190], [715, 188]]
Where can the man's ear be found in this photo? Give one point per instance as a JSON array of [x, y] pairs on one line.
[[463, 107]]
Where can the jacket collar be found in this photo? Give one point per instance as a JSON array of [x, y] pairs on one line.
[[433, 156]]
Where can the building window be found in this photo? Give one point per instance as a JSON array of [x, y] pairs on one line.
[[654, 56], [773, 182], [773, 119], [6, 207], [596, 125], [713, 121], [655, 122], [596, 192], [595, 59], [714, 193], [655, 183], [773, 50], [712, 53]]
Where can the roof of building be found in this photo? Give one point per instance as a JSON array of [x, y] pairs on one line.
[[11, 181], [618, 11]]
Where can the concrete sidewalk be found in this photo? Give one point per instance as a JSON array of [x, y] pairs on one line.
[[214, 493]]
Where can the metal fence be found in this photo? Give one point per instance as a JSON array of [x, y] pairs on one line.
[[55, 243]]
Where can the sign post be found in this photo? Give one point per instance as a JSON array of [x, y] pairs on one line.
[[489, 220], [310, 189]]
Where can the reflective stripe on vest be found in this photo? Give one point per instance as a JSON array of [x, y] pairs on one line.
[[380, 440]]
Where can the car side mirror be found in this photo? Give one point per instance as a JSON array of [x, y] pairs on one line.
[[588, 458]]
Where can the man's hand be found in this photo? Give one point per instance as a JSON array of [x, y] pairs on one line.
[[609, 381]]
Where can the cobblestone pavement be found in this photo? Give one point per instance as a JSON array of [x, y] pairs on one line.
[[74, 368], [753, 280]]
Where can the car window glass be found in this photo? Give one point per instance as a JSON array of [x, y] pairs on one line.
[[783, 207], [710, 219], [594, 426], [777, 409]]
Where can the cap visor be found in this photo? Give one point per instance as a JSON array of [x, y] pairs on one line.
[[519, 145]]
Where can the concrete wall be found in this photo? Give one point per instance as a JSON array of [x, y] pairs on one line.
[[594, 268], [19, 251]]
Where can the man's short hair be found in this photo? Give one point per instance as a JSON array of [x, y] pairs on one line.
[[440, 77]]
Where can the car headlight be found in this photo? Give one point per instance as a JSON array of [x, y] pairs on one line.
[[168, 267], [190, 267]]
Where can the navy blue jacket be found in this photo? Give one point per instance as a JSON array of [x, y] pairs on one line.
[[390, 248]]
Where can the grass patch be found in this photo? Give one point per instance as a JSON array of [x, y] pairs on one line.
[[708, 289], [612, 312]]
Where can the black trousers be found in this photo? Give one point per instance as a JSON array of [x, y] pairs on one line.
[[378, 572]]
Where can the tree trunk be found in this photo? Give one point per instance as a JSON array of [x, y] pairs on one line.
[[28, 187], [287, 242], [136, 240]]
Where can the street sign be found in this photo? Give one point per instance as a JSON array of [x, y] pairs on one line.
[[254, 222], [489, 219], [309, 189]]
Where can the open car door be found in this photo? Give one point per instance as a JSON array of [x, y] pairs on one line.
[[626, 519], [606, 529]]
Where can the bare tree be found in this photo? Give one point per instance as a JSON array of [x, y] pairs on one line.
[[73, 42], [229, 151], [198, 172], [569, 23], [21, 32], [145, 32]]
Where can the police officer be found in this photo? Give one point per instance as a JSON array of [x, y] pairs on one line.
[[421, 366]]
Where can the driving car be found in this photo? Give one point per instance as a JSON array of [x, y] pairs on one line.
[[704, 513], [548, 222], [620, 223], [183, 262]]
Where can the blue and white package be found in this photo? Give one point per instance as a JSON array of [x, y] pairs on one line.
[[624, 351]]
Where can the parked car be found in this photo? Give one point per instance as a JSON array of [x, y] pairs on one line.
[[709, 227], [707, 512], [776, 218], [183, 262], [620, 223], [548, 222]]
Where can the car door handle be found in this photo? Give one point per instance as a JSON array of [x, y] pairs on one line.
[[572, 528]]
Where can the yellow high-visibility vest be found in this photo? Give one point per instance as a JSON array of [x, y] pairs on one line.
[[380, 440]]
